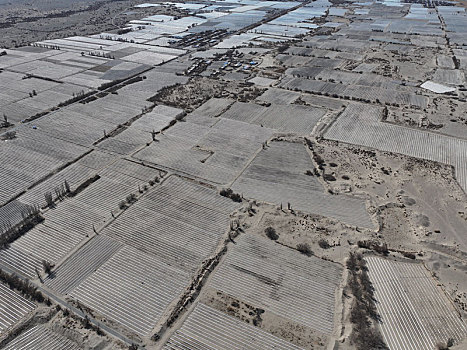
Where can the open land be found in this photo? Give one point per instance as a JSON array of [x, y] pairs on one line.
[[217, 175]]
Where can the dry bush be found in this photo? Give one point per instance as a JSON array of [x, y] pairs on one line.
[[324, 244], [304, 248], [47, 267], [271, 233], [227, 192]]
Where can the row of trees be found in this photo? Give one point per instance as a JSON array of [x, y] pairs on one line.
[[31, 216], [363, 314], [24, 287], [61, 191]]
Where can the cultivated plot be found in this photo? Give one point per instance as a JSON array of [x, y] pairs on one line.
[[285, 118], [31, 156], [213, 107], [280, 280], [208, 329], [415, 314], [361, 125], [43, 242], [214, 152], [278, 175], [13, 307], [40, 337], [82, 264], [133, 289], [359, 92], [180, 223]]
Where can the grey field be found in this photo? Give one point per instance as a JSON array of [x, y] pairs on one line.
[[208, 329], [361, 124], [282, 281], [40, 337], [82, 264], [414, 312], [13, 307], [233, 175], [278, 175]]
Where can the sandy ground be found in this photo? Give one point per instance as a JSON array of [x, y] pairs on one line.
[[27, 23]]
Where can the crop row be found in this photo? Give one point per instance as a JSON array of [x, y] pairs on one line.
[[13, 307], [262, 273], [207, 329], [132, 288], [414, 313], [272, 177], [40, 337], [361, 125]]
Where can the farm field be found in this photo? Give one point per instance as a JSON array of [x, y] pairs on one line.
[[132, 288], [278, 175], [287, 118], [38, 337], [13, 307], [282, 281], [414, 312], [82, 264], [211, 152], [233, 175], [362, 125], [187, 221], [207, 328]]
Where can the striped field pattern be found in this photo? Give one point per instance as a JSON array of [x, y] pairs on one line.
[[209, 329], [40, 337], [82, 264], [180, 222], [361, 125], [415, 315], [277, 175], [280, 280], [13, 307], [133, 289]]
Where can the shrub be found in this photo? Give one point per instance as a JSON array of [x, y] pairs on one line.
[[408, 255], [99, 331], [131, 198], [318, 159], [48, 199], [445, 346], [67, 187], [304, 248], [10, 135], [353, 261], [364, 334], [31, 217], [85, 322], [122, 205], [324, 244], [236, 197], [375, 246], [46, 266], [271, 233], [23, 286], [227, 192]]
